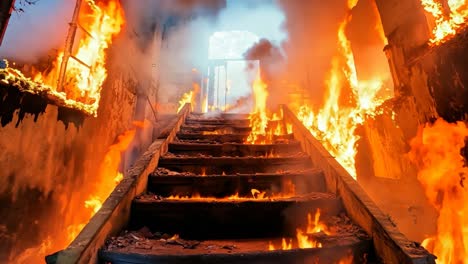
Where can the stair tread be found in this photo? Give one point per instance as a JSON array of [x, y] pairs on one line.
[[340, 238], [161, 172], [151, 198]]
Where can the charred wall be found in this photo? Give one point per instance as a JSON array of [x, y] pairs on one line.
[[429, 82]]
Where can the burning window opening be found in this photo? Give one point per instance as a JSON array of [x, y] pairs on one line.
[[76, 77]]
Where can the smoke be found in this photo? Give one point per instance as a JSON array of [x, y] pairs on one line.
[[183, 46], [37, 31], [272, 64], [312, 27]]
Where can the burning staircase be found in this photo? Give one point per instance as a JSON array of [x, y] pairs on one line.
[[215, 199]]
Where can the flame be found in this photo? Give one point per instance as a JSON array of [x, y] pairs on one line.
[[189, 97], [316, 226], [303, 238], [259, 118], [447, 22], [347, 260], [334, 124], [204, 104], [285, 245], [76, 220], [94, 203], [82, 86], [109, 177], [118, 178], [203, 171], [304, 241], [271, 247], [256, 194], [442, 171]]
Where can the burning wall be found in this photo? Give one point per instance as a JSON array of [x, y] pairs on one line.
[[430, 82], [49, 170]]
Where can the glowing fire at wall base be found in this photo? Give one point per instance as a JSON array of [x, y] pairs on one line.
[[74, 221], [442, 172]]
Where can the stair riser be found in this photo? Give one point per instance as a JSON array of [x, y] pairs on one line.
[[214, 220], [360, 251], [234, 150], [234, 122], [211, 166], [228, 138], [224, 186]]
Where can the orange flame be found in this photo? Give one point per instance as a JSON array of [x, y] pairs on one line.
[[259, 118], [285, 245], [303, 238], [447, 22], [256, 194], [436, 152], [304, 241], [335, 123], [189, 98], [347, 259], [82, 84], [316, 226]]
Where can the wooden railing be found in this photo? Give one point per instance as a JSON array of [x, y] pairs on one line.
[[389, 243], [114, 214]]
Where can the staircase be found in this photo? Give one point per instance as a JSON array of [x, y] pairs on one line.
[[215, 199]]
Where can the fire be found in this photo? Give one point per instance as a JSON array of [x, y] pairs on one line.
[[271, 247], [447, 22], [256, 194], [94, 203], [303, 238], [304, 241], [259, 118], [109, 177], [118, 178], [442, 171], [189, 98], [285, 245], [334, 124], [347, 260], [81, 86], [316, 226], [74, 222]]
